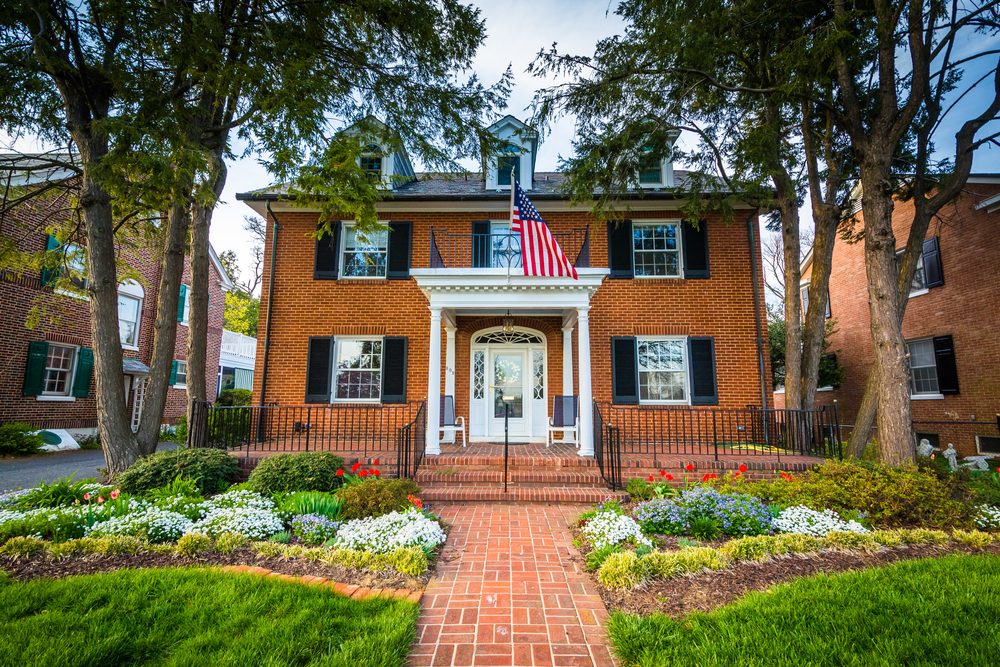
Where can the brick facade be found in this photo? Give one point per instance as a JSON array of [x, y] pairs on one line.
[[721, 306], [66, 319], [966, 307]]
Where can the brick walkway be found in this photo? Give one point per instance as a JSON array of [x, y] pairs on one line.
[[506, 593]]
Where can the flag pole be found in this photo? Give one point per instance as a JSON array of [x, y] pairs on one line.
[[510, 225]]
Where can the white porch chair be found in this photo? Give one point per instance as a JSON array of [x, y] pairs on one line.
[[448, 419], [565, 418]]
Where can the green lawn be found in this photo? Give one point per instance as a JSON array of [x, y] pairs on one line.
[[942, 611], [196, 617]]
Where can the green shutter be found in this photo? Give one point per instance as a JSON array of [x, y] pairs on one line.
[[180, 303], [34, 374], [84, 372], [173, 372], [49, 275]]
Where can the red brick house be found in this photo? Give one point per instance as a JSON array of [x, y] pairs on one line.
[[950, 324], [663, 313], [46, 376]]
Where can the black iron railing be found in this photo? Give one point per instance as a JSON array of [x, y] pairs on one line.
[[718, 432], [608, 450], [359, 431], [499, 250]]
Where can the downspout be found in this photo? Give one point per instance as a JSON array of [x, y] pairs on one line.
[[270, 303], [755, 280]]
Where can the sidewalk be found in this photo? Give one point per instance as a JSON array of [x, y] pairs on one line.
[[507, 594]]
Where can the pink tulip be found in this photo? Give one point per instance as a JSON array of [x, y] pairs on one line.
[[86, 496]]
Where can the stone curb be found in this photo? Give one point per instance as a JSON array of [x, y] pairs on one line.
[[347, 590]]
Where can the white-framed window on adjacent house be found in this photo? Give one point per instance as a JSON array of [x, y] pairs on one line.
[[130, 295], [363, 255], [663, 370], [656, 248], [180, 381], [185, 294], [60, 367], [358, 370], [923, 369], [919, 284]]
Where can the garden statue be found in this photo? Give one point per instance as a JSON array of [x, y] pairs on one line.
[[976, 462], [952, 457], [924, 449]]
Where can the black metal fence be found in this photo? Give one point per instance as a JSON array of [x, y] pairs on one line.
[[360, 431]]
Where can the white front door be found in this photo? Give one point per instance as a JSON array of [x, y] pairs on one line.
[[507, 384]]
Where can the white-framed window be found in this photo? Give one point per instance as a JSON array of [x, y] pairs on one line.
[[923, 369], [186, 313], [357, 375], [656, 249], [663, 371], [919, 284], [363, 255], [804, 300], [505, 248], [371, 162], [60, 369], [650, 170], [130, 295], [182, 375]]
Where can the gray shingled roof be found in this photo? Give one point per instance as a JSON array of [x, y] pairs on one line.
[[435, 186]]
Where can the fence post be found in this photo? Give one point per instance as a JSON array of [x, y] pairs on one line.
[[715, 436]]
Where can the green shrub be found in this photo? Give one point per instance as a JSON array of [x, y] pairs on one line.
[[179, 486], [60, 493], [620, 571], [667, 564], [234, 397], [227, 543], [852, 541], [268, 549], [311, 471], [212, 470], [312, 502], [753, 547], [977, 539], [23, 547], [281, 537], [796, 543], [889, 538], [597, 557], [71, 548], [925, 536], [116, 545], [639, 489], [411, 561], [16, 439], [889, 496], [375, 497], [193, 544]]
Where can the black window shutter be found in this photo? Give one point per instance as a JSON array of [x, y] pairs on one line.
[[394, 369], [620, 249], [933, 272], [624, 371], [319, 369], [327, 261], [400, 247], [695, 249], [34, 373], [480, 244], [947, 369], [701, 362]]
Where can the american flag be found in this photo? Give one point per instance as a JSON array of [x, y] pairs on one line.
[[540, 252]]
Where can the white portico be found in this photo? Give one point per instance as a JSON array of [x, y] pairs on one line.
[[507, 361]]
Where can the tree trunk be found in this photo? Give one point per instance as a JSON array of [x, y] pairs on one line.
[[814, 327], [165, 328], [890, 365], [793, 304], [197, 344]]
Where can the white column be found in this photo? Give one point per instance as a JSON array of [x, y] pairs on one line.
[[449, 371], [567, 389], [434, 385], [586, 395]]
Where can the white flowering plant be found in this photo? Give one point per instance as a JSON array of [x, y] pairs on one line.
[[240, 498], [807, 521], [386, 533], [152, 523], [255, 524], [607, 528], [987, 516]]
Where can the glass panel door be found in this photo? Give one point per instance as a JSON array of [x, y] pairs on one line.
[[508, 390]]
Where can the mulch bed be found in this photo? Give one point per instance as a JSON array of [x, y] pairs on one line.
[[708, 590], [42, 566]]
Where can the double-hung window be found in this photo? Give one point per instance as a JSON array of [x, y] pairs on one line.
[[505, 165], [371, 163], [129, 309], [60, 365], [358, 371], [919, 284], [650, 170], [364, 254], [181, 377], [656, 248], [923, 368], [662, 364]]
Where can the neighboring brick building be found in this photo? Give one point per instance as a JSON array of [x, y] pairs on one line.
[[46, 372], [431, 308], [950, 325]]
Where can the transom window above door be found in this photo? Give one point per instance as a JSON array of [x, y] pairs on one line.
[[656, 248], [364, 254]]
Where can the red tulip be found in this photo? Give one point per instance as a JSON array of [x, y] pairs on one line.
[[651, 478], [376, 461], [663, 473], [689, 467], [114, 494], [100, 499], [743, 467], [715, 475], [669, 477], [354, 468], [706, 477], [376, 473], [363, 473], [340, 472], [737, 474]]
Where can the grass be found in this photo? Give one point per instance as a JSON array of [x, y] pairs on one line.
[[939, 611], [196, 617]]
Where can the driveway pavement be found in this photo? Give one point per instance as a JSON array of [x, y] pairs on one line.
[[21, 473]]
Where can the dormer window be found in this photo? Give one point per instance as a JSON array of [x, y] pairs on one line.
[[371, 163], [504, 166], [650, 170]]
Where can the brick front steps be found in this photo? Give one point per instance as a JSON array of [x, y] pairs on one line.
[[348, 590]]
